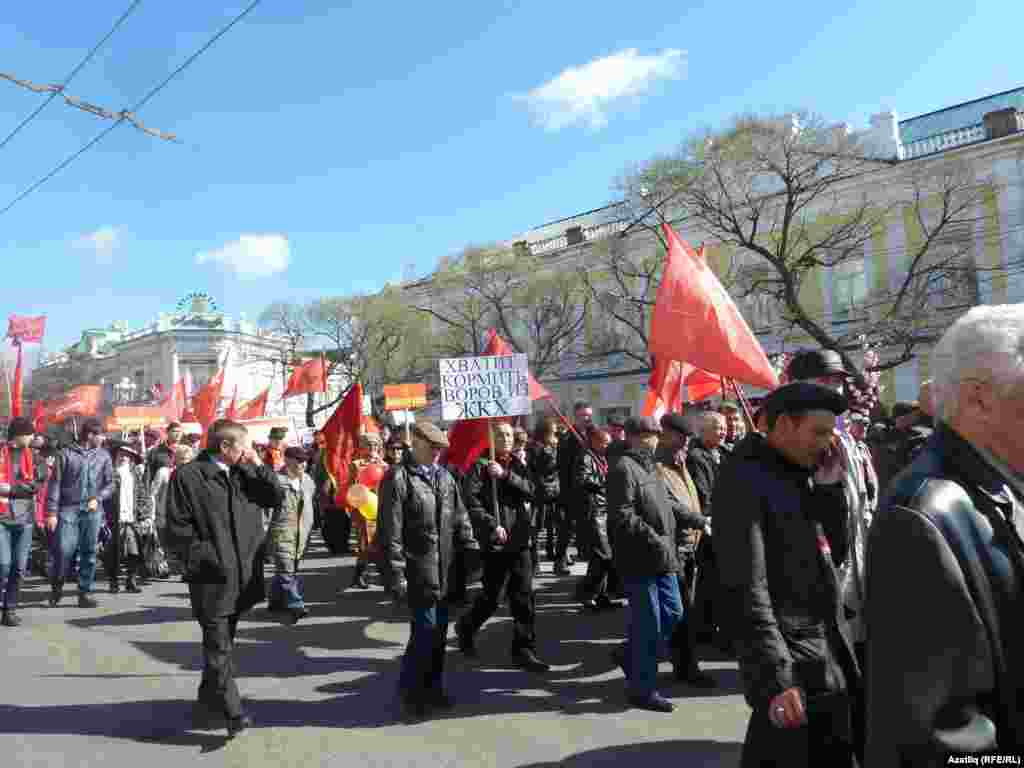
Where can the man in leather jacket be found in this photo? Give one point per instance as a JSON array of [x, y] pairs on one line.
[[423, 524], [778, 549], [945, 587]]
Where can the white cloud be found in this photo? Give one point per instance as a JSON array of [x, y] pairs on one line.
[[103, 243], [586, 94], [251, 255]]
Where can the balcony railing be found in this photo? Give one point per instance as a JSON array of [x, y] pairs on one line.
[[944, 141], [595, 232]]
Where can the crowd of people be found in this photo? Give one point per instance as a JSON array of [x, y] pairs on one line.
[[865, 570]]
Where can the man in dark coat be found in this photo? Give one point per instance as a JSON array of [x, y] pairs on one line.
[[777, 549], [215, 522], [504, 535], [422, 526], [642, 524], [591, 479], [945, 587], [569, 510], [900, 444], [705, 456]]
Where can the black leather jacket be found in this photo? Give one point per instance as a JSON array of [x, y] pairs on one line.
[[515, 493], [544, 466], [945, 597]]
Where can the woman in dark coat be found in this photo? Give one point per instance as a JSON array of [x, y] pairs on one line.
[[215, 522], [543, 461]]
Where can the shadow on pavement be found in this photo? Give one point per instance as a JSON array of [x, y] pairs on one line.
[[693, 754]]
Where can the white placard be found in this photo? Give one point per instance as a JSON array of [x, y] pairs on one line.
[[401, 418], [484, 387]]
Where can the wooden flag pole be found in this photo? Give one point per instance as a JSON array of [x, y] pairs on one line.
[[744, 405], [494, 482]]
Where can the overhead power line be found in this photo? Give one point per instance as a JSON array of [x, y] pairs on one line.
[[124, 115], [67, 80]]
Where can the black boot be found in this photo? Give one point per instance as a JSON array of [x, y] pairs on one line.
[[131, 585], [359, 577], [10, 618], [56, 593], [115, 587]]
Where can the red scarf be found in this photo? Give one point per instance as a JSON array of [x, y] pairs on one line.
[[7, 472]]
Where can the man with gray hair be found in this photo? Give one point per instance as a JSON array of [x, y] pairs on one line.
[[945, 583]]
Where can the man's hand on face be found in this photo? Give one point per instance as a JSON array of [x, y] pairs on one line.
[[249, 456]]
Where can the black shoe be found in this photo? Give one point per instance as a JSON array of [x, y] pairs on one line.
[[440, 699], [655, 702], [465, 638], [55, 597], [589, 604], [114, 587], [132, 587], [698, 679], [412, 709], [238, 724], [85, 600], [206, 718], [527, 659], [294, 615], [359, 578], [11, 618], [605, 603]]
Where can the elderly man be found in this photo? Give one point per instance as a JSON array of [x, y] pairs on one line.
[[777, 550], [288, 536], [705, 455], [945, 585], [423, 525], [642, 524], [215, 524]]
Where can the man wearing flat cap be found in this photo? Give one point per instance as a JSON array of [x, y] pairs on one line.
[[642, 524], [422, 524], [779, 549], [691, 528], [288, 535]]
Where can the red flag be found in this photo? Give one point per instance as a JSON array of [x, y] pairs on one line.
[[232, 411], [255, 408], [80, 401], [207, 399], [696, 321], [701, 384], [469, 439], [340, 434], [311, 376], [16, 387], [39, 416], [30, 329]]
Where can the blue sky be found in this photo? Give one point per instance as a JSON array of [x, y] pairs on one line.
[[325, 145]]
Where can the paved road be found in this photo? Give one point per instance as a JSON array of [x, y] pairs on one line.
[[113, 687]]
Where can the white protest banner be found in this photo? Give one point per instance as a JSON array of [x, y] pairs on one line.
[[484, 387]]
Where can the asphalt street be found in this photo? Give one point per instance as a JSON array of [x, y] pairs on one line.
[[114, 687]]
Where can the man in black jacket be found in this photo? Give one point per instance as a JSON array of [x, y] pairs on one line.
[[504, 535], [215, 522], [778, 548], [945, 570], [422, 525], [642, 524], [705, 456], [569, 450]]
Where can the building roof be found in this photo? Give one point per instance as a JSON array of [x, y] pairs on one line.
[[956, 125]]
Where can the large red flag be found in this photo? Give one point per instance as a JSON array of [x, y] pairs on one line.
[[39, 416], [469, 439], [16, 387], [696, 321], [255, 408], [207, 400], [341, 433], [79, 401], [311, 376]]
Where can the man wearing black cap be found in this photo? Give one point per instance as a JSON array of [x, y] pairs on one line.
[[504, 535], [673, 445], [422, 525], [288, 535], [642, 524], [20, 479], [778, 551], [82, 480], [846, 464]]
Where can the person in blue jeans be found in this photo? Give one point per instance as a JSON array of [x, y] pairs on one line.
[[82, 479], [642, 526], [20, 478], [288, 535], [422, 524]]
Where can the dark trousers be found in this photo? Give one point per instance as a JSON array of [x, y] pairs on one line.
[[422, 667], [115, 558], [684, 641], [566, 529], [218, 689], [545, 520], [601, 578], [513, 572], [15, 543]]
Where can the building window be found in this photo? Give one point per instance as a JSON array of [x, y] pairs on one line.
[[849, 290]]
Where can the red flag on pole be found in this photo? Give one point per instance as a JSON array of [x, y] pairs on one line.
[[28, 329], [255, 408], [17, 386], [696, 321], [39, 416], [311, 376], [207, 399], [469, 439], [340, 434]]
